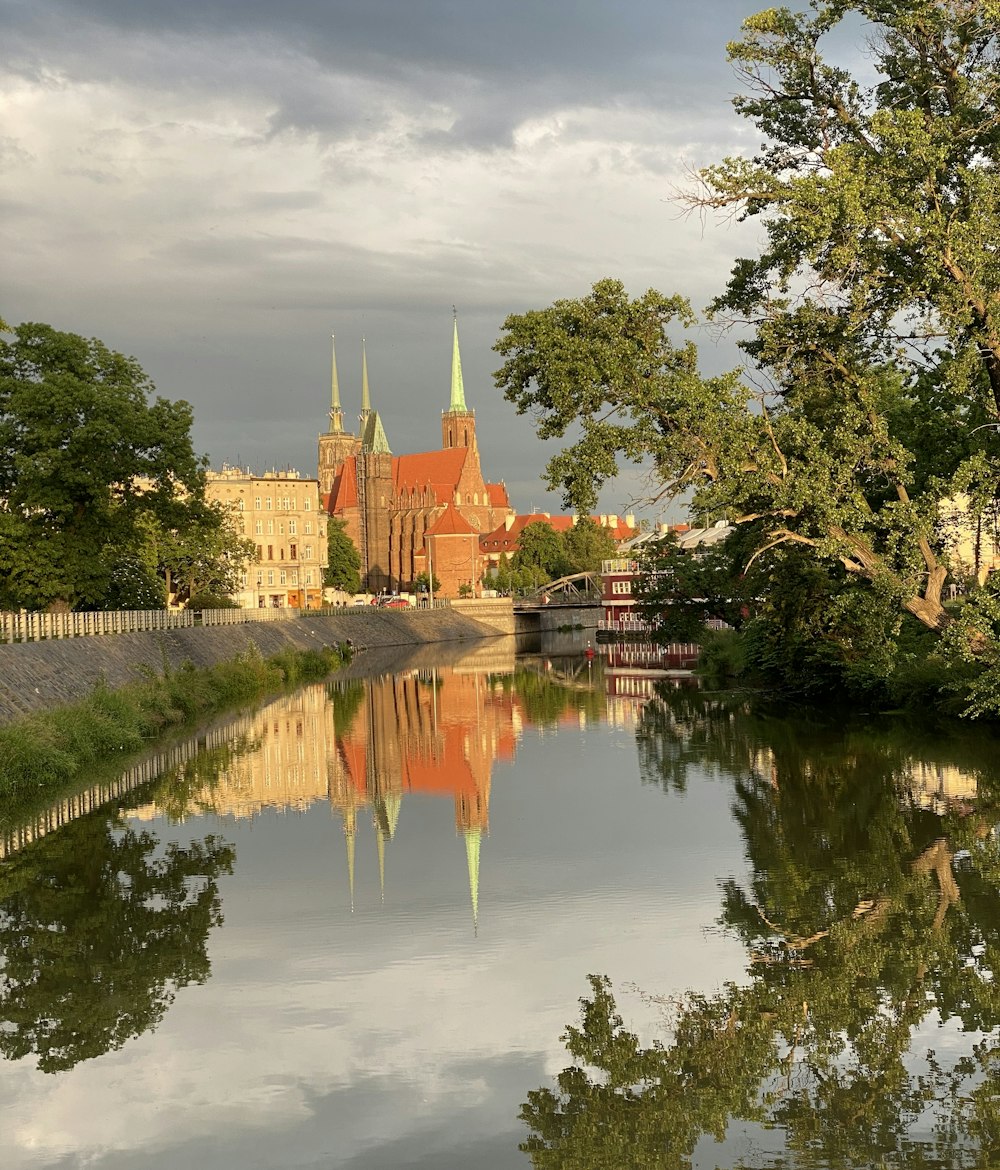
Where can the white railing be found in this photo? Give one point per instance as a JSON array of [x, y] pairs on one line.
[[28, 626]]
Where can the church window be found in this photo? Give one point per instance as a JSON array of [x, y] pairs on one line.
[[475, 497], [468, 498], [291, 527]]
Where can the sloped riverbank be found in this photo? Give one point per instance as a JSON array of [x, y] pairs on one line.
[[39, 676]]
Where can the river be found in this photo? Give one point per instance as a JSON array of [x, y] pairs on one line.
[[503, 910]]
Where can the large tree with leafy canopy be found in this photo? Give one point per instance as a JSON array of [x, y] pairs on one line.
[[85, 456], [872, 313]]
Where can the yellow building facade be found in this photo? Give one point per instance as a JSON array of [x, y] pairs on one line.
[[280, 513]]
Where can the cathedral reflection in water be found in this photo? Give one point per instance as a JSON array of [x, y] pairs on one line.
[[364, 745]]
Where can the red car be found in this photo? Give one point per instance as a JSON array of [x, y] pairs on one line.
[[394, 601]]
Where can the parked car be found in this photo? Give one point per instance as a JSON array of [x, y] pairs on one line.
[[393, 601]]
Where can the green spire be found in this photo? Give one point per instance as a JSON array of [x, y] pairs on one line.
[[472, 841], [457, 389], [366, 400], [336, 413], [373, 440]]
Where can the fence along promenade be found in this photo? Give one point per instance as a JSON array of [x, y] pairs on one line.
[[38, 627]]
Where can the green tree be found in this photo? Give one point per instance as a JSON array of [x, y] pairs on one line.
[[205, 557], [541, 553], [422, 583], [587, 544], [84, 457], [874, 301], [343, 570], [99, 928]]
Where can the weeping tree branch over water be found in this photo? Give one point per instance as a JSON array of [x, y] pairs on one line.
[[873, 309]]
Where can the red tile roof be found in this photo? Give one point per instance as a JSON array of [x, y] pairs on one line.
[[451, 522]]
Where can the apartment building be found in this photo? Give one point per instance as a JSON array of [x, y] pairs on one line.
[[280, 512]]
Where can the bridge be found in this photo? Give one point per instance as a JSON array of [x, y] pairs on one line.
[[574, 600]]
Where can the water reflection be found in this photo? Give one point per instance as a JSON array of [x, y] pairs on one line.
[[866, 1030], [99, 928]]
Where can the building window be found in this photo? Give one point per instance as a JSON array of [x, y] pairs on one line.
[[242, 505], [292, 526], [308, 552], [282, 578], [270, 552], [259, 528], [260, 576], [281, 527], [293, 552], [308, 527], [621, 587], [270, 528], [268, 502], [309, 576], [260, 553], [270, 576], [256, 503], [281, 553], [306, 504], [295, 576]]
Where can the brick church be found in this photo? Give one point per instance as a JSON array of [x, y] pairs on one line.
[[411, 514]]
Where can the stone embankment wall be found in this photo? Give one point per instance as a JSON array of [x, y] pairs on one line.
[[35, 676]]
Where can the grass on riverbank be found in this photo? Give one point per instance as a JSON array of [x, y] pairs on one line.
[[47, 750]]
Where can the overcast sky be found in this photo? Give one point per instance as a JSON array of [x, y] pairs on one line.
[[217, 186]]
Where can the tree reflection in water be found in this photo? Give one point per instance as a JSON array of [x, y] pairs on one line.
[[99, 927], [871, 913]]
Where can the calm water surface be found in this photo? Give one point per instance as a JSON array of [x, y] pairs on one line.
[[497, 912]]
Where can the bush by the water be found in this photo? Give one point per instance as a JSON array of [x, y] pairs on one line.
[[48, 750]]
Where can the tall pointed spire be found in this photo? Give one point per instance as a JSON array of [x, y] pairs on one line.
[[473, 837], [366, 398], [350, 830], [457, 388], [336, 412]]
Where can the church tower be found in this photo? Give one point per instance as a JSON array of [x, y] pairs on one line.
[[458, 423], [336, 444], [374, 485]]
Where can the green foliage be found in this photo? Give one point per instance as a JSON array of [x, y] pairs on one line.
[[587, 544], [874, 309], [343, 570], [85, 459], [867, 920], [100, 926], [205, 599], [541, 555], [422, 581]]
